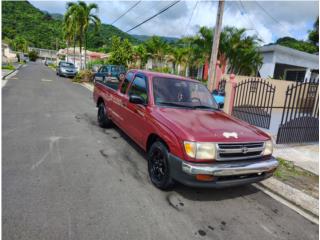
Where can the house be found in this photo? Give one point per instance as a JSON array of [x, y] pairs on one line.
[[74, 56], [285, 63], [7, 55]]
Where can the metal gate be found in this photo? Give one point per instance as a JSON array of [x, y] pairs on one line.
[[222, 85], [300, 117], [253, 102]]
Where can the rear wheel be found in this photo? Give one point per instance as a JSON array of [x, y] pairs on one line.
[[158, 166], [102, 116]]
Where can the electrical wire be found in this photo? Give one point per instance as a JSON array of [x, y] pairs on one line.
[[132, 7], [153, 16], [193, 10], [274, 19], [252, 25]]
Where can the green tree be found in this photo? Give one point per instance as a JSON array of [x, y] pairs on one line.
[[33, 55], [121, 51], [140, 53], [297, 44], [314, 33], [237, 51], [156, 48], [19, 44]]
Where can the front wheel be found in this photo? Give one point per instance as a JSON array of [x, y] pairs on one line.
[[102, 116], [158, 166]]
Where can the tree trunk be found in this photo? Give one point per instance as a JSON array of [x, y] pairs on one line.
[[67, 58], [80, 45], [179, 69], [85, 51], [74, 49]]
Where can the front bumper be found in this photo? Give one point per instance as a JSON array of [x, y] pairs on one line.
[[68, 74], [226, 174]]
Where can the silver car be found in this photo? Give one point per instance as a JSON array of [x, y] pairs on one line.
[[66, 69]]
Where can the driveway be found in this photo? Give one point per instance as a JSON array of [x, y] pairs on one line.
[[63, 177]]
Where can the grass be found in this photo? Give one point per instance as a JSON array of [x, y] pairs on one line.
[[297, 177], [8, 67], [287, 169]]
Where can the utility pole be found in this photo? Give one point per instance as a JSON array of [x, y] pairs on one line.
[[215, 46]]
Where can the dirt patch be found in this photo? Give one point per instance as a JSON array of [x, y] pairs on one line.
[[297, 177]]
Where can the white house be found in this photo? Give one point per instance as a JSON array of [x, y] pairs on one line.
[[285, 63]]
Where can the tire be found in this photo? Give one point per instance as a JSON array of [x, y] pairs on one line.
[[158, 166], [102, 117]]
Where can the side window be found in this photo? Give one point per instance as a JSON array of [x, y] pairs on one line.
[[112, 83], [139, 88], [103, 69], [126, 82]]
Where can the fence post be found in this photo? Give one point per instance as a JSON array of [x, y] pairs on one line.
[[218, 75], [232, 92]]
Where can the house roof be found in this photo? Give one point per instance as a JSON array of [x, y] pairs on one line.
[[289, 51]]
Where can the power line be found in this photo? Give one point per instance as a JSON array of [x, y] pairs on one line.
[[274, 19], [243, 8], [148, 19], [193, 10], [133, 6]]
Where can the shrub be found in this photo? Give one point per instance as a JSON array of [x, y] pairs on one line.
[[33, 55], [83, 76], [162, 69]]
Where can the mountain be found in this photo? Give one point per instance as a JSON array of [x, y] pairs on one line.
[[145, 38], [44, 30]]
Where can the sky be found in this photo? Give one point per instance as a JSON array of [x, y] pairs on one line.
[[269, 20]]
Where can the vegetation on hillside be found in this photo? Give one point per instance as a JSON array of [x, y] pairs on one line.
[[310, 46], [20, 19]]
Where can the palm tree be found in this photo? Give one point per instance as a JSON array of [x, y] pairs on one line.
[[79, 16], [71, 25], [87, 18], [156, 48], [237, 51]]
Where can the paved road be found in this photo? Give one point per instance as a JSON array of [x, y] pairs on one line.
[[65, 178]]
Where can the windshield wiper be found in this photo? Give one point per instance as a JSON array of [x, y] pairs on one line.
[[174, 104], [205, 107]]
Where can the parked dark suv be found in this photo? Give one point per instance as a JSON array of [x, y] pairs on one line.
[[66, 69], [110, 72]]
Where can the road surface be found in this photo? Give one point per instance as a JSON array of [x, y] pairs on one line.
[[63, 177]]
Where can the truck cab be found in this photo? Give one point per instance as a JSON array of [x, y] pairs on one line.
[[187, 137]]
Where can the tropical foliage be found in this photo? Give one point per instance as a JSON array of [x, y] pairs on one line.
[[297, 44], [43, 29], [121, 51], [33, 55]]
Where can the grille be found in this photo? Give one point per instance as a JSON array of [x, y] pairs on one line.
[[239, 151]]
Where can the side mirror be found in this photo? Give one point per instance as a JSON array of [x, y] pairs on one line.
[[136, 99]]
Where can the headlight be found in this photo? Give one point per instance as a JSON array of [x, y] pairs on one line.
[[268, 149], [200, 150]]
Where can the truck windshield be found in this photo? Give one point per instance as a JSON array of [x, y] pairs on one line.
[[179, 93]]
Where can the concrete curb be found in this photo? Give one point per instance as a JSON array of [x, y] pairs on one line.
[[87, 85], [4, 77], [309, 205]]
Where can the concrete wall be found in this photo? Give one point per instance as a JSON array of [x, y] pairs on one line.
[[280, 93]]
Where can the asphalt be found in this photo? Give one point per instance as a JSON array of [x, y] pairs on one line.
[[63, 177]]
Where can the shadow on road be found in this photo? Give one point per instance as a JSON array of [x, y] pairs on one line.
[[190, 193]]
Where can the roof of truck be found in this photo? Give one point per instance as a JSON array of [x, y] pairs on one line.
[[164, 75]]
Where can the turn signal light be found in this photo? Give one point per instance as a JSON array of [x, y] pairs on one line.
[[204, 177]]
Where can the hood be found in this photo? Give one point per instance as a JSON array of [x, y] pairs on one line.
[[208, 126]]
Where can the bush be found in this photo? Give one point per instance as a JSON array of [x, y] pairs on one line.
[[8, 67], [83, 76], [93, 63], [33, 55], [162, 69]]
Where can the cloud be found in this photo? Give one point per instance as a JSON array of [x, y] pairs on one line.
[[268, 19]]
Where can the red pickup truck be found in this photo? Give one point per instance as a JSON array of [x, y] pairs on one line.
[[187, 138]]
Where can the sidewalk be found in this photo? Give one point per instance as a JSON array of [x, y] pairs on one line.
[[6, 72], [305, 156]]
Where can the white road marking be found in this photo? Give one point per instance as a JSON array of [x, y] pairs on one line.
[[46, 80]]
